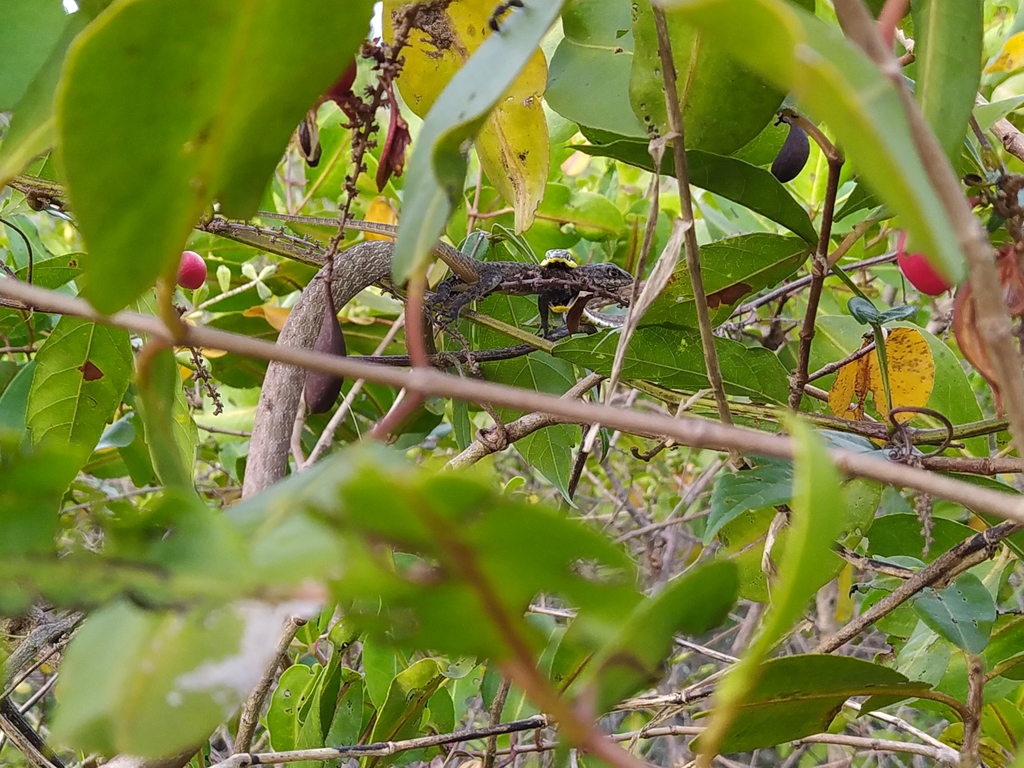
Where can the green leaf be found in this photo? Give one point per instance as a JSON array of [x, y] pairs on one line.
[[294, 689], [692, 605], [157, 381], [14, 399], [34, 480], [924, 657], [150, 683], [164, 106], [29, 30], [347, 724], [732, 269], [82, 371], [32, 131], [734, 179], [963, 613], [55, 271], [437, 168], [800, 695], [724, 106], [947, 65], [407, 697], [588, 79], [674, 358], [863, 311], [836, 83], [767, 484], [381, 663]]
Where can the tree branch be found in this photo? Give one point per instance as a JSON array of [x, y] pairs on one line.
[[698, 433]]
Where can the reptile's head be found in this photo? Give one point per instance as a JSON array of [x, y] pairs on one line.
[[608, 275]]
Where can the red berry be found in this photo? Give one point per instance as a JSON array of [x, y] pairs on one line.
[[191, 270], [918, 271]]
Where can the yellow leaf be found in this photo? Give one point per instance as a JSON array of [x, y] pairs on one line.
[[1011, 57], [185, 372], [851, 380], [275, 316], [380, 211], [911, 377], [513, 143], [911, 372]]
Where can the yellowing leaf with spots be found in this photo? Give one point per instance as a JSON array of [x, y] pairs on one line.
[[513, 144], [1011, 57], [911, 378]]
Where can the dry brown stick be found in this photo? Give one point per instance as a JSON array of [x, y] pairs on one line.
[[967, 553], [699, 433], [993, 317], [250, 716], [675, 124]]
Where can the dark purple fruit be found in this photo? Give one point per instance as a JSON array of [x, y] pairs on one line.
[[322, 389], [793, 156]]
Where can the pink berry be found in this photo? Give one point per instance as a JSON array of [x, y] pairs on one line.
[[918, 271], [191, 270]]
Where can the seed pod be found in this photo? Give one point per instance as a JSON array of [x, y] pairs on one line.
[[793, 156], [321, 389]]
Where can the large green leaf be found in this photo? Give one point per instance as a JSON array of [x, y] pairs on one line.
[[730, 177], [963, 613], [82, 371], [588, 80], [732, 269], [437, 168], [165, 105], [724, 105], [800, 695], [947, 66], [29, 30], [837, 84], [674, 358], [32, 131]]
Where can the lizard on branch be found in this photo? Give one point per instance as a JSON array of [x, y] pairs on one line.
[[557, 281]]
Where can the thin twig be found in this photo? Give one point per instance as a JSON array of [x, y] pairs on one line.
[[819, 264], [700, 300]]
